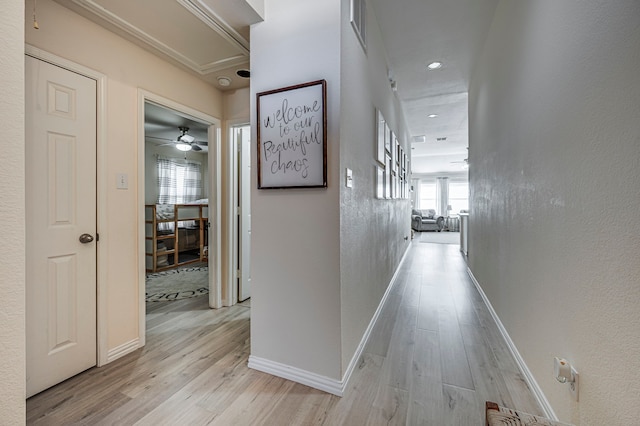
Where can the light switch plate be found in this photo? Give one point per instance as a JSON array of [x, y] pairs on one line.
[[122, 181], [349, 179]]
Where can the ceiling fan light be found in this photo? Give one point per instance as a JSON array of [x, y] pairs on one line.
[[183, 146]]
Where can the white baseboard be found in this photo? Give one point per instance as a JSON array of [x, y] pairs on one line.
[[298, 375], [316, 381], [122, 350], [528, 376]]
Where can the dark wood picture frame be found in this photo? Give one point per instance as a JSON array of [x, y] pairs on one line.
[[292, 136]]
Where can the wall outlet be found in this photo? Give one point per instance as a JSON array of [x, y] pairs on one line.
[[573, 386]]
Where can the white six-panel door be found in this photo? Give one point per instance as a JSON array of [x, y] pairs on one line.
[[61, 211]]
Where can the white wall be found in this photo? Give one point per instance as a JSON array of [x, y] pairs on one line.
[[372, 231], [12, 213], [295, 261], [128, 68], [555, 187], [315, 289]]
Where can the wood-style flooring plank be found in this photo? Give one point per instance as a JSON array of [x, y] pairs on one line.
[[397, 367], [354, 407], [426, 403], [461, 407], [487, 378], [428, 308], [390, 407], [302, 406], [453, 355]]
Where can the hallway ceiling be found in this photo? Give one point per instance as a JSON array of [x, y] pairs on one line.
[[210, 38], [416, 33]]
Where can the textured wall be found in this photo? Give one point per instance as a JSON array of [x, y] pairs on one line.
[[12, 261], [555, 195], [372, 231], [128, 68], [295, 247]]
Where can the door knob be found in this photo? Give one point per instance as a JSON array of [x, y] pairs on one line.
[[85, 238]]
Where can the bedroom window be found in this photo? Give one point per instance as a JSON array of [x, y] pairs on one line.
[[179, 182]]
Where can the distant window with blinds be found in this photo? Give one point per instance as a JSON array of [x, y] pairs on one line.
[[359, 21]]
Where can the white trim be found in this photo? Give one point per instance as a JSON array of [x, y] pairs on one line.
[[215, 231], [528, 376], [297, 375], [316, 381], [203, 12], [123, 349], [365, 338], [203, 69], [214, 197], [101, 190]]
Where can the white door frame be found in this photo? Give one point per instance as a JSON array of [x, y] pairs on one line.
[[101, 189], [215, 205]]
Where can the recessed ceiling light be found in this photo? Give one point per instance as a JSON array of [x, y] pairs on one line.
[[432, 115], [243, 73], [434, 65], [224, 81]]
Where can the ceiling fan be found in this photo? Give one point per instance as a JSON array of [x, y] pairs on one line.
[[184, 141]]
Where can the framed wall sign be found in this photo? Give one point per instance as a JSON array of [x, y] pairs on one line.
[[292, 136]]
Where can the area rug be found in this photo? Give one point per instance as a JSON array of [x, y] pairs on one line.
[[177, 284], [439, 237]]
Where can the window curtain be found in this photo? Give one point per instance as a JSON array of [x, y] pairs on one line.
[[179, 182], [415, 195], [442, 196]]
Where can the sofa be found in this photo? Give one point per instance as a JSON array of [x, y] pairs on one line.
[[426, 220]]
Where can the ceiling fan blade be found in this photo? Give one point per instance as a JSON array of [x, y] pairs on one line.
[[195, 147], [159, 138]]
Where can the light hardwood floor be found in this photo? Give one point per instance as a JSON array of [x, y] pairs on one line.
[[434, 357]]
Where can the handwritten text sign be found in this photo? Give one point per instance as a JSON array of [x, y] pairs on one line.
[[292, 147]]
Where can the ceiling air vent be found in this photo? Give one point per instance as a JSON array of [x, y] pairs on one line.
[[441, 139], [419, 139]]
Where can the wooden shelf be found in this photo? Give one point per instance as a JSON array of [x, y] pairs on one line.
[[182, 240]]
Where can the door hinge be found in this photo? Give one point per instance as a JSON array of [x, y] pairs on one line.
[[239, 274], [97, 237]]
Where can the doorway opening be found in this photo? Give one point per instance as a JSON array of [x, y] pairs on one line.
[[179, 204], [240, 211]]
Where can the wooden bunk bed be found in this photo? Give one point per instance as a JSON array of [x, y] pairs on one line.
[[175, 235]]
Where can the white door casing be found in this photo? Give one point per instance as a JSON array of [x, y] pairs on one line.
[[61, 206]]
